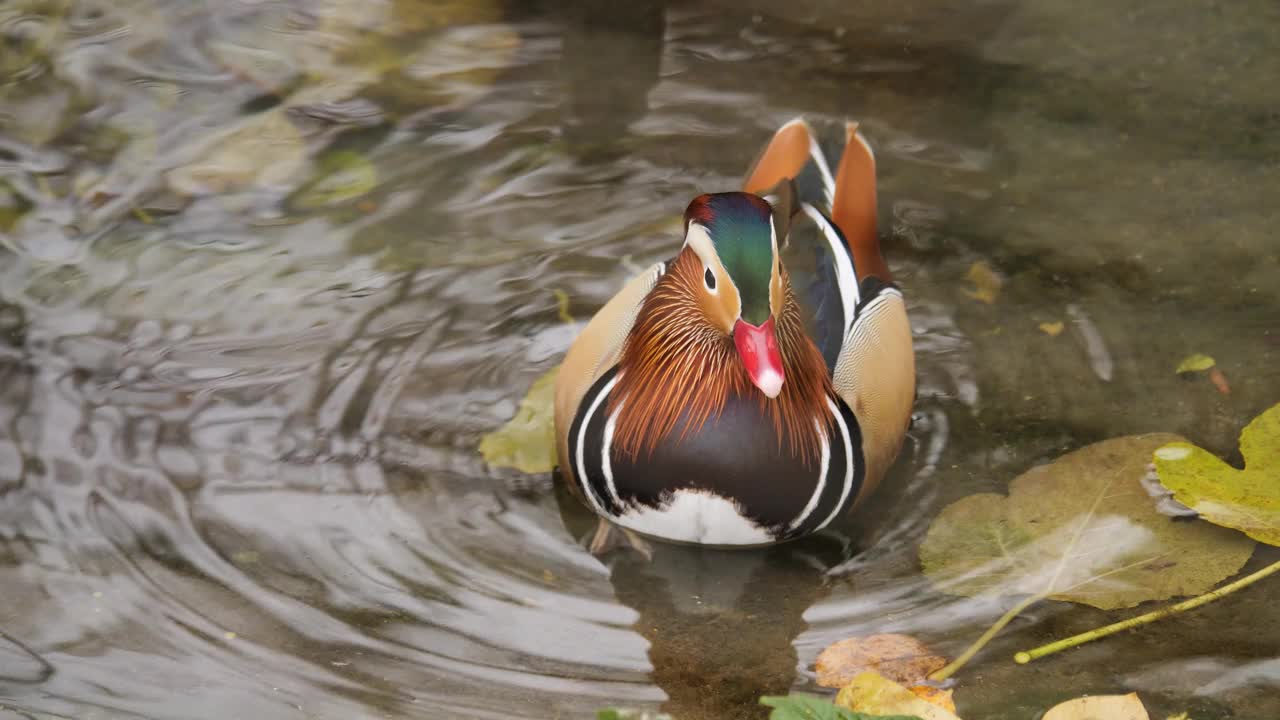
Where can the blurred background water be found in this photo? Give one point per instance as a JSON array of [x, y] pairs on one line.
[[271, 268]]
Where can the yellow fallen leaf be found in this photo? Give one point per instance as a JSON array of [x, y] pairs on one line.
[[562, 304], [1245, 499], [1179, 716], [527, 442], [900, 658], [1100, 707], [986, 283], [872, 694], [1197, 362], [1052, 329]]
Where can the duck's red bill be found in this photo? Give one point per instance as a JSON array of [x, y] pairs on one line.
[[758, 347]]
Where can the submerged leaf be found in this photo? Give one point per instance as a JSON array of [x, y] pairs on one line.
[[1100, 707], [986, 283], [269, 70], [628, 714], [1052, 329], [263, 150], [341, 176], [461, 64], [1247, 500], [872, 693], [1195, 363], [527, 442], [799, 706], [1079, 529], [900, 658]]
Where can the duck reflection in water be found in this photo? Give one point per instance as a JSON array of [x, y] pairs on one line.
[[720, 623]]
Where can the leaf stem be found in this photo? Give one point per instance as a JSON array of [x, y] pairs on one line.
[[1053, 647], [981, 642]]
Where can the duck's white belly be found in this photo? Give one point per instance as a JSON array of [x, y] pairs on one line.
[[695, 516]]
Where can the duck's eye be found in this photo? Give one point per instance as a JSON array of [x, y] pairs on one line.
[[710, 278]]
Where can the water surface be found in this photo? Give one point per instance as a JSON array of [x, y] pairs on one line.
[[270, 269]]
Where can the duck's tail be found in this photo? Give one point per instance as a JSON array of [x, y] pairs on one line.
[[794, 169]]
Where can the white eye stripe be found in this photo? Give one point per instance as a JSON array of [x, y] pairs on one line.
[[777, 260], [698, 239]]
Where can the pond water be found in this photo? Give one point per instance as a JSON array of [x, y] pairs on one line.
[[272, 268]]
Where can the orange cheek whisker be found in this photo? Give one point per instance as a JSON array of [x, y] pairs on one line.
[[676, 365]]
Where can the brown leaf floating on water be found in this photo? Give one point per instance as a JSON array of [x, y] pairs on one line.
[[900, 658]]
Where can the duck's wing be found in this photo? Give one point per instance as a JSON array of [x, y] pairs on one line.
[[855, 313], [822, 277], [597, 348], [876, 372]]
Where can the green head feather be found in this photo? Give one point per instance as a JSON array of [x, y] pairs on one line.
[[741, 229]]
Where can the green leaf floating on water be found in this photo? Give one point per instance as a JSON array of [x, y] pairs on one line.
[[1080, 529], [1247, 500], [799, 706], [527, 442]]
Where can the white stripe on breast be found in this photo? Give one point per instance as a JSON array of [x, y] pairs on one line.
[[848, 462], [605, 462], [583, 482], [822, 477]]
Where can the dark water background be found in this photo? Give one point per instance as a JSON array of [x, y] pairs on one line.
[[271, 268]]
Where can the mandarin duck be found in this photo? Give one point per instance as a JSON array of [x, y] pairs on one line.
[[756, 386]]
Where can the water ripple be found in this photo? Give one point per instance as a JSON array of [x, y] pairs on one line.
[[238, 425]]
